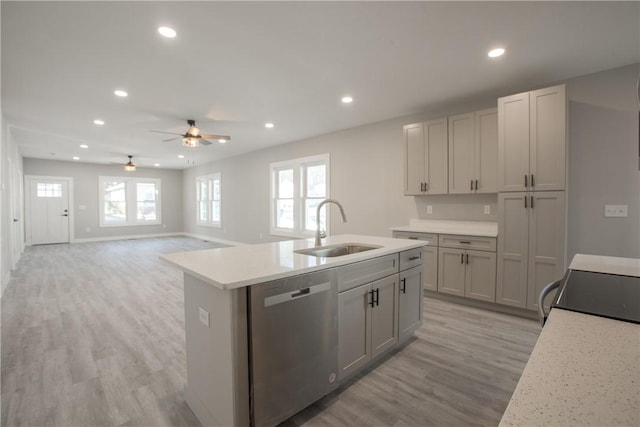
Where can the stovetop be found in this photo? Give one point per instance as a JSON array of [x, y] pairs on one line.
[[600, 294]]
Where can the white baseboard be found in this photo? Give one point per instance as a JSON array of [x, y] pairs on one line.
[[213, 239], [125, 237]]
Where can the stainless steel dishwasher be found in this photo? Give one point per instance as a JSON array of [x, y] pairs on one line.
[[293, 344]]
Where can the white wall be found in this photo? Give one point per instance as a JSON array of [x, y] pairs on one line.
[[85, 193], [367, 175], [603, 163]]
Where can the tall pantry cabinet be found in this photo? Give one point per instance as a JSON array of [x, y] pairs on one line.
[[531, 200]]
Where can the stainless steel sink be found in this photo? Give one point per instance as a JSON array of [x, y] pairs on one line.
[[337, 250]]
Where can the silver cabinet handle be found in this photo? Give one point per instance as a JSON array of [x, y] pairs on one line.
[[546, 291]]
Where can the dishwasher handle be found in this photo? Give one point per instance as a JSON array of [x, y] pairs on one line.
[[300, 293], [546, 291]]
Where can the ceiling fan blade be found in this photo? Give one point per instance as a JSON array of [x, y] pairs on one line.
[[225, 137], [170, 133], [204, 142], [170, 139]]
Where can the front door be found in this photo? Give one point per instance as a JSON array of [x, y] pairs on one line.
[[48, 210]]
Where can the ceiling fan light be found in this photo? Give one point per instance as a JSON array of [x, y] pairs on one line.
[[190, 142]]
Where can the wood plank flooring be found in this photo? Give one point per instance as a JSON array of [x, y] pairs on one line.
[[93, 335]]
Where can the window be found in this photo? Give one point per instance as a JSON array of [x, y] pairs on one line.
[[48, 189], [129, 201], [209, 200], [297, 187]]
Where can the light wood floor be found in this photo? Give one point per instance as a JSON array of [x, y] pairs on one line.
[[93, 335]]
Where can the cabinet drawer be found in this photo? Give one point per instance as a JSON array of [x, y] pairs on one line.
[[467, 242], [359, 273], [410, 258], [432, 239]]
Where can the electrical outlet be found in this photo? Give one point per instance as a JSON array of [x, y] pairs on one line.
[[429, 210], [487, 209], [204, 317], [619, 211]]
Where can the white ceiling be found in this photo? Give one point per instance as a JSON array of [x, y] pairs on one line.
[[236, 65]]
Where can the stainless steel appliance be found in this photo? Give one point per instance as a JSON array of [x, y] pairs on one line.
[[600, 294], [293, 344]]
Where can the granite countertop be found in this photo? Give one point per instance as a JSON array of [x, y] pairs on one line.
[[584, 369], [239, 266], [466, 228]]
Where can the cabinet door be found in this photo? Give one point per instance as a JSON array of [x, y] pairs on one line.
[[546, 242], [511, 287], [430, 267], [462, 154], [451, 271], [384, 315], [480, 279], [414, 158], [410, 302], [486, 167], [513, 142], [547, 142], [436, 158], [354, 329]]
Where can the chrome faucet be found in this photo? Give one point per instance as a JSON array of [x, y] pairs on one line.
[[319, 234]]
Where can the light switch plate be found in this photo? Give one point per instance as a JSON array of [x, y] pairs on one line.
[[204, 316], [616, 211], [429, 210], [487, 209]]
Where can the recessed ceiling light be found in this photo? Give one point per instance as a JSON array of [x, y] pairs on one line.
[[76, 158], [347, 99], [167, 32], [496, 52], [121, 93], [98, 122], [269, 125], [84, 146], [156, 165], [181, 156]]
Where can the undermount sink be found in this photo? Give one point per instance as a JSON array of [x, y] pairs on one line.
[[337, 250]]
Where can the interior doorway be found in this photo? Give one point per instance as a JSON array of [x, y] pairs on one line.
[[48, 209]]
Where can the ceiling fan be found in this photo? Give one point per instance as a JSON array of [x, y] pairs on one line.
[[193, 137], [129, 166]]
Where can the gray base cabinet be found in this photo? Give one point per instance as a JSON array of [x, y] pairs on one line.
[[410, 302]]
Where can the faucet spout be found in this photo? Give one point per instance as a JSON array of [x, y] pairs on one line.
[[321, 204]]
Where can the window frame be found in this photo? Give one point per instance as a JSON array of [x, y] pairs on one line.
[[131, 201], [299, 167], [210, 182]]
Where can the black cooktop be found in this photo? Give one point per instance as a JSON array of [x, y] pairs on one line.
[[600, 294]]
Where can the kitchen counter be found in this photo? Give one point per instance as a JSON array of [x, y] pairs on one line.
[[240, 266], [466, 228], [584, 369]]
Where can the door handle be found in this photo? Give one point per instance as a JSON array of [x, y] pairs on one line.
[[15, 220], [525, 202], [377, 292], [404, 286], [467, 258], [371, 300], [476, 185], [461, 258], [525, 181], [531, 202], [64, 215], [532, 182], [471, 185]]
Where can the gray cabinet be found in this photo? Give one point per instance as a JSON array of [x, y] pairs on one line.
[[467, 266], [531, 245], [473, 152], [426, 158], [410, 302], [367, 323], [429, 256], [532, 140]]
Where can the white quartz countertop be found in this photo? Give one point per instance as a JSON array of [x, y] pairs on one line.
[[467, 228], [239, 266], [583, 371], [606, 264]]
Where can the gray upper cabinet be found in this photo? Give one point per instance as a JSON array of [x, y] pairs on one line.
[[532, 140], [473, 152], [426, 158]]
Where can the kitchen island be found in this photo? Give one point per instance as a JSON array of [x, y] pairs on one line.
[[584, 369], [218, 286]]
